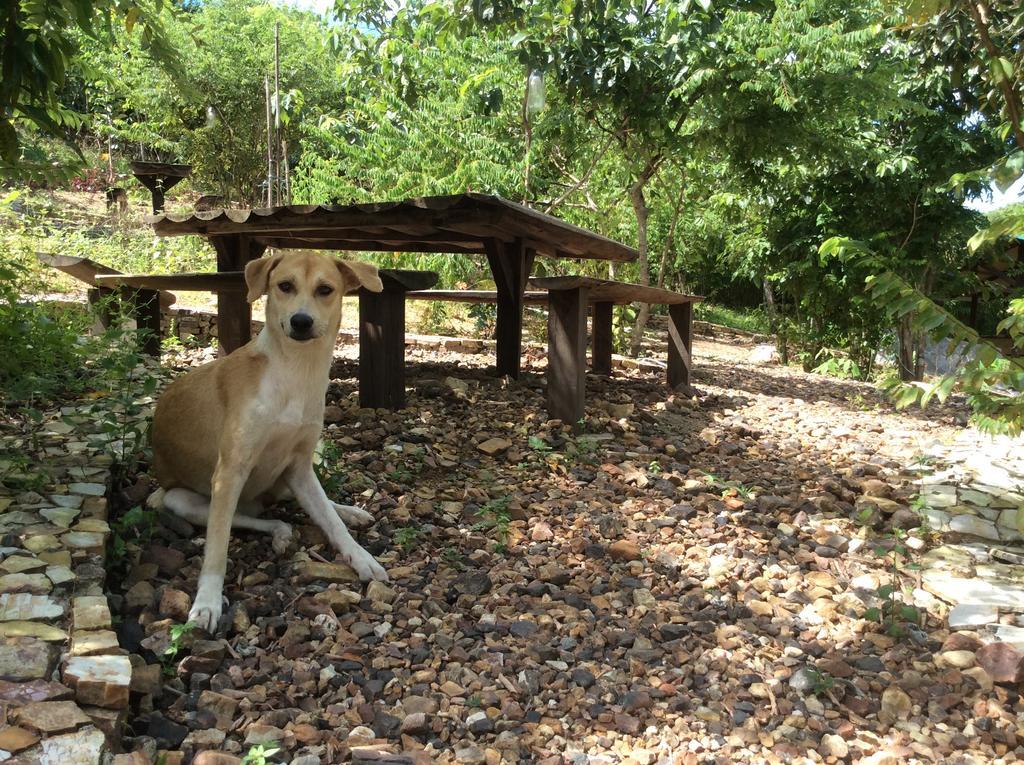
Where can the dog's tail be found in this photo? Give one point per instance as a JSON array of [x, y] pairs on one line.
[[155, 501]]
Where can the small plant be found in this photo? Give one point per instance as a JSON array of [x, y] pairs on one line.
[[538, 444], [835, 365], [821, 682], [474, 702], [178, 634], [257, 755], [452, 557], [654, 468], [894, 614], [136, 525], [495, 518], [326, 465], [406, 537]]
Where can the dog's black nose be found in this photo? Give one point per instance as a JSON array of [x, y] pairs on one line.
[[302, 322]]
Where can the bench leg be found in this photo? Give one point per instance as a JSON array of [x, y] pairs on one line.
[[680, 344], [98, 301], [382, 348], [567, 354], [510, 265], [234, 315], [601, 352], [146, 309]]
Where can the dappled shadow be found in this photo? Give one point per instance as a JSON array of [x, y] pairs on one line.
[[645, 589]]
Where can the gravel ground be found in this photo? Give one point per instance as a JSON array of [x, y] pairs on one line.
[[688, 580]]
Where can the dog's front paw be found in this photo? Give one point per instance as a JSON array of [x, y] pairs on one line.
[[365, 565], [281, 537], [352, 515], [205, 613]]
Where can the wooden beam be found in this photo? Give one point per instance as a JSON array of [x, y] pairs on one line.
[[567, 354], [616, 292], [680, 344], [227, 281], [601, 348], [510, 265], [145, 306]]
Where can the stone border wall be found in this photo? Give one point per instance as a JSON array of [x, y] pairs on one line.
[[65, 682]]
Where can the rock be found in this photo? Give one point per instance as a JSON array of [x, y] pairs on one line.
[[140, 595], [415, 723], [955, 659], [419, 704], [804, 679], [93, 642], [470, 755], [90, 613], [14, 739], [167, 731], [339, 601], [335, 573], [175, 604], [25, 607], [222, 707], [494, 446], [102, 681], [378, 592], [210, 757], [1003, 662], [624, 550], [474, 583], [36, 584], [479, 724], [971, 615], [973, 525], [896, 705], [833, 746], [49, 718], [199, 740], [583, 678], [20, 694], [38, 630], [763, 354], [85, 747], [257, 734], [541, 532], [26, 659]]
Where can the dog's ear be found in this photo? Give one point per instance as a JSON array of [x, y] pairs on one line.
[[363, 274], [257, 275]]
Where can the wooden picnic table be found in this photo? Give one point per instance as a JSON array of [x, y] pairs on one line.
[[509, 235]]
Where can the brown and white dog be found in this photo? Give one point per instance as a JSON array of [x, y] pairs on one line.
[[239, 432]]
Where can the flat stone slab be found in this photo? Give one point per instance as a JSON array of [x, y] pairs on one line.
[[37, 584], [20, 694], [14, 739], [25, 607], [101, 681], [86, 747], [60, 575], [52, 717], [972, 615], [39, 630], [312, 571], [21, 564], [90, 613], [93, 642], [73, 501], [88, 489], [42, 543], [60, 516], [26, 659], [83, 540], [954, 574]]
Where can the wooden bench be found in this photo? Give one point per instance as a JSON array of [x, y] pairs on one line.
[[568, 299], [381, 321]]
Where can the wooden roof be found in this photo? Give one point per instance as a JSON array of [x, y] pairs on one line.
[[459, 223]]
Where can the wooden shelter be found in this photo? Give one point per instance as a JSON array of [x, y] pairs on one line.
[[509, 235]]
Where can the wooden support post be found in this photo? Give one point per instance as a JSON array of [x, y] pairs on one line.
[[146, 310], [567, 354], [680, 343], [234, 315], [98, 302], [382, 348], [601, 349], [511, 264]]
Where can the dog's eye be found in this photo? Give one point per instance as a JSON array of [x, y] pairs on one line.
[[286, 287], [324, 290]]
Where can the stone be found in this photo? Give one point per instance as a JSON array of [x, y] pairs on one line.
[[90, 613], [49, 718], [168, 560], [424, 704], [175, 604], [60, 575], [833, 746], [258, 733], [93, 642], [624, 550], [494, 446], [765, 353], [42, 543], [102, 681], [470, 755], [896, 705], [21, 564], [474, 583], [26, 659], [973, 525], [378, 592], [14, 739], [140, 595], [339, 601], [335, 573], [415, 723], [223, 707], [36, 584], [956, 659], [25, 607], [46, 632], [210, 757], [971, 615], [146, 678], [86, 747], [60, 516], [20, 694], [1003, 662], [85, 541], [199, 740], [88, 489]]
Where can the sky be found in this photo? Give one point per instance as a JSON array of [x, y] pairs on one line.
[[1000, 199]]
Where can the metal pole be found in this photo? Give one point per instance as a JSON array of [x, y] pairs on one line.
[[277, 104], [270, 148]]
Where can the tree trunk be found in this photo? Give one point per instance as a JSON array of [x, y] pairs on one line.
[[642, 212], [906, 353], [781, 341]]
